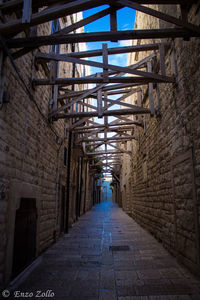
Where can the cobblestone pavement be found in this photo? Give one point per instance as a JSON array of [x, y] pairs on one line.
[[81, 265]]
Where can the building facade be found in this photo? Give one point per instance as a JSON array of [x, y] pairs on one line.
[[159, 182], [45, 181]]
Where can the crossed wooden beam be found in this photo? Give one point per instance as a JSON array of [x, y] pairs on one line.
[[111, 80]]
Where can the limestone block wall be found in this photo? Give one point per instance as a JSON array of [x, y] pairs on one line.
[[31, 155], [165, 160]]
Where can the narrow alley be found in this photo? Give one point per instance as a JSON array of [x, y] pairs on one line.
[[108, 256], [100, 149]]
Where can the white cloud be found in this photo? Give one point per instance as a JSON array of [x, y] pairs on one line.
[[118, 59], [126, 26], [125, 43]]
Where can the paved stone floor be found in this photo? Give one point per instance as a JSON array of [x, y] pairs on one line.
[[82, 266]]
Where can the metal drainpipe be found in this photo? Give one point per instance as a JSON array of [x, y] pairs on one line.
[[69, 158], [85, 192], [57, 191], [80, 188]]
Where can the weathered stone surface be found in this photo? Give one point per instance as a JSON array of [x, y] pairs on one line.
[[29, 153], [154, 274], [147, 176]]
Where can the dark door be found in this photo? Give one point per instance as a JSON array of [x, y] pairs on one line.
[[25, 235]]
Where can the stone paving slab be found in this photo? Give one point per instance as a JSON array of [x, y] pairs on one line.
[[82, 266]]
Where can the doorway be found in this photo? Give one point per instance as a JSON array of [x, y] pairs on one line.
[[25, 235]]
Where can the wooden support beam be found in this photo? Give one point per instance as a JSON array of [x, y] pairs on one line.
[[82, 80], [166, 2], [120, 102], [184, 13], [105, 62], [99, 103], [87, 105], [121, 138], [67, 30], [96, 89], [99, 36], [85, 21], [84, 119], [120, 86], [162, 16], [104, 152], [116, 178], [102, 130], [73, 94], [16, 26], [113, 19], [109, 126], [111, 51], [118, 148], [63, 57], [151, 97], [139, 102], [162, 59], [13, 5]]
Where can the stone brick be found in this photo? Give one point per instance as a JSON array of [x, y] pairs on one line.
[[29, 149], [149, 197]]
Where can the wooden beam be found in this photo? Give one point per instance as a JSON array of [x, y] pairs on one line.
[[167, 2], [99, 36], [79, 98], [16, 26], [162, 59], [84, 119], [109, 129], [12, 5], [118, 148], [105, 62], [75, 94], [113, 19], [87, 105], [120, 86], [94, 95], [111, 51], [66, 30], [147, 10], [63, 57], [151, 96], [109, 126], [116, 178], [85, 21], [120, 102], [91, 114], [82, 80], [103, 152]]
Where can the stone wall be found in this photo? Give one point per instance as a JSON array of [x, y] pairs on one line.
[[166, 155], [32, 156]]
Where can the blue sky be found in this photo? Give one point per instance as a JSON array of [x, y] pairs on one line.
[[125, 21]]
